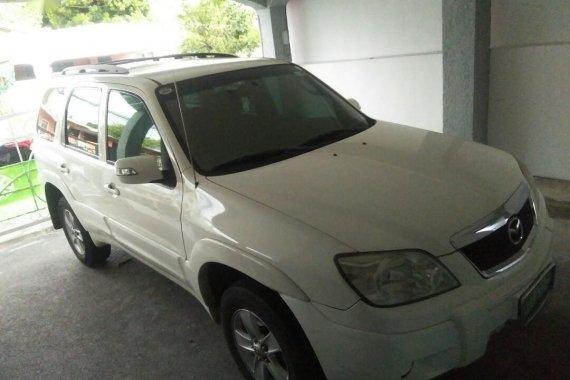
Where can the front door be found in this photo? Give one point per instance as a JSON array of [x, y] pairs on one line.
[[144, 218]]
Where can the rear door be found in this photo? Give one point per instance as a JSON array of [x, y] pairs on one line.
[[143, 218], [79, 158]]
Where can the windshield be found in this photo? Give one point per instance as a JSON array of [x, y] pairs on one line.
[[245, 119]]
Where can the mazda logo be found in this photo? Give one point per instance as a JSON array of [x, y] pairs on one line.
[[515, 230]]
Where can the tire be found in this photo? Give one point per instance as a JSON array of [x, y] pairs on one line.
[[272, 344], [79, 240]]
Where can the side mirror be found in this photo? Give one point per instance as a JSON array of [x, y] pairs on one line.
[[137, 170], [354, 103]]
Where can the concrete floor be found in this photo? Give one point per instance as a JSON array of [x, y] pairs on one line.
[[61, 320]]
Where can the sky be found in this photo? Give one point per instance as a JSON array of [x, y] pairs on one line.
[[163, 34], [26, 43], [29, 44]]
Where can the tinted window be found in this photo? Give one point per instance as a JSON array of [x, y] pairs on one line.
[[243, 119], [130, 129], [82, 121], [50, 112]]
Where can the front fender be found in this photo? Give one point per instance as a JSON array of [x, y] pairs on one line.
[[212, 251]]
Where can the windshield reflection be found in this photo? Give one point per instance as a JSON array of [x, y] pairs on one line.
[[244, 119]]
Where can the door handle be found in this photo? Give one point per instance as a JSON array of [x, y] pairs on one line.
[[111, 189], [63, 168]]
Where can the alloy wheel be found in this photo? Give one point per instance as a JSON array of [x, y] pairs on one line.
[[257, 347], [74, 232]]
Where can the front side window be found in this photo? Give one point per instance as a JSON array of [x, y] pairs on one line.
[[130, 129], [131, 132], [244, 119], [82, 120]]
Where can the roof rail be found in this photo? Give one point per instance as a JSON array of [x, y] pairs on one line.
[[175, 56], [112, 68], [94, 69]]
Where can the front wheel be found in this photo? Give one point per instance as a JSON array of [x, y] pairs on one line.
[[264, 338], [79, 240]]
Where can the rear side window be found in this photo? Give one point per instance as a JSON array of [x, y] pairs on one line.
[[82, 120], [51, 110]]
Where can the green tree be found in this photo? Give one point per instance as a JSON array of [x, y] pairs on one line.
[[64, 13], [219, 26], [21, 15]]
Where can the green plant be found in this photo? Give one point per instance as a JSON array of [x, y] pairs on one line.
[[65, 13], [220, 26]]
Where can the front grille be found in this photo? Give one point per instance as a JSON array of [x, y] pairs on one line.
[[499, 246]]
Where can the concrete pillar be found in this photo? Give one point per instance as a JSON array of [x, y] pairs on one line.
[[272, 16], [466, 41]]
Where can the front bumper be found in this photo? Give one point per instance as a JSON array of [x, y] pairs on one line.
[[425, 339]]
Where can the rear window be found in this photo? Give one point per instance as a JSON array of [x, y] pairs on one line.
[[51, 110], [82, 120]]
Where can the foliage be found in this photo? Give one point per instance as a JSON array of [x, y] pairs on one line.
[[65, 13], [5, 85], [20, 15], [5, 108], [219, 26], [151, 143], [115, 130]]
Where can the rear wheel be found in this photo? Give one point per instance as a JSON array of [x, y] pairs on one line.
[[264, 338], [79, 240]]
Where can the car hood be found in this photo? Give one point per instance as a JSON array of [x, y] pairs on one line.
[[390, 187]]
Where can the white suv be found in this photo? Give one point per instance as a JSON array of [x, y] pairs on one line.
[[326, 243]]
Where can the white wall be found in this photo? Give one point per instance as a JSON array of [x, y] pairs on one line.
[[385, 53], [529, 100]]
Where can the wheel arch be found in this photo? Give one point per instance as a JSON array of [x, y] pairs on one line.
[[213, 279], [215, 266], [53, 195], [299, 347]]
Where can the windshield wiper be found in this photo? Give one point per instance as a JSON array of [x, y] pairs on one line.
[[265, 157], [330, 136], [254, 160]]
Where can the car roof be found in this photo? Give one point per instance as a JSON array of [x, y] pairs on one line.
[[163, 71]]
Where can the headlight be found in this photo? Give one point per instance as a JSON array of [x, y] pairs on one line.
[[394, 278]]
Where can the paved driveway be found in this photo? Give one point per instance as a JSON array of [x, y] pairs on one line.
[[61, 320]]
